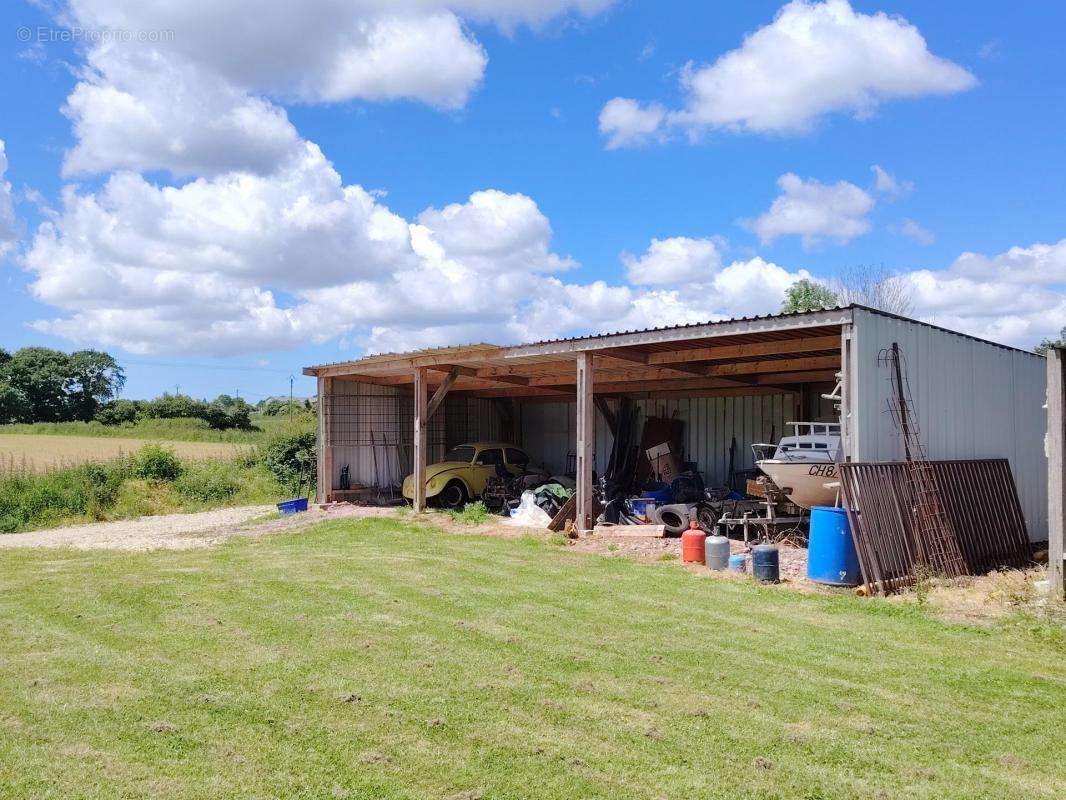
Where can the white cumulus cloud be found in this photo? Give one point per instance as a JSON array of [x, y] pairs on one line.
[[814, 211], [203, 94], [626, 122], [1036, 264], [675, 260], [9, 227], [813, 59]]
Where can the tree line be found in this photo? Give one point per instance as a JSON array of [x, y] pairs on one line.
[[42, 385], [38, 384], [868, 286]]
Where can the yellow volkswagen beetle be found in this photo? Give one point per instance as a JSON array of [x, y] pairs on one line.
[[461, 476]]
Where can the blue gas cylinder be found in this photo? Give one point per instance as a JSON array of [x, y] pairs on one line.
[[765, 563], [831, 556], [737, 562]]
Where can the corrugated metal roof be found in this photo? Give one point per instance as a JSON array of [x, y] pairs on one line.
[[446, 349], [449, 349]]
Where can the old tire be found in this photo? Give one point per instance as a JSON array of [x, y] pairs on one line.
[[452, 496], [675, 518]]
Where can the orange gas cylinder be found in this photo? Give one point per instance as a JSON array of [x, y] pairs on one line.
[[692, 544]]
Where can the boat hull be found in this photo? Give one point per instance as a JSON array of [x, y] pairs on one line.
[[804, 482]]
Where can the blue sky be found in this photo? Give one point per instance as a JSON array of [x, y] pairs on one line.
[[973, 144]]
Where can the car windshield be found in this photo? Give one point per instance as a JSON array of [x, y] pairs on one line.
[[463, 452]]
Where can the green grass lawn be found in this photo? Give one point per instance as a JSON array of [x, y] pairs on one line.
[[373, 659]]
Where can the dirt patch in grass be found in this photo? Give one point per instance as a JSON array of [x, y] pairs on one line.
[[990, 598]]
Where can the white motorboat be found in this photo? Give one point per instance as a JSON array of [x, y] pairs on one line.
[[803, 464]]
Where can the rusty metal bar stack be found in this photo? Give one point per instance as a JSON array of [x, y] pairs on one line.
[[979, 501], [936, 545]]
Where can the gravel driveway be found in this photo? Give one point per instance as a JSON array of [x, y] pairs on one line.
[[179, 531], [168, 531]]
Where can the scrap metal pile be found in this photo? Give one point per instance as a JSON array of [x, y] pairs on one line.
[[647, 482], [981, 510], [949, 518], [503, 493]]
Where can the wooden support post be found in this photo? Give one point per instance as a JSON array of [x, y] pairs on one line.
[[1056, 473], [324, 486], [585, 442], [848, 439], [441, 393], [420, 455]]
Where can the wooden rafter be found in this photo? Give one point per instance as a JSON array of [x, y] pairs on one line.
[[441, 393], [470, 372], [809, 344]]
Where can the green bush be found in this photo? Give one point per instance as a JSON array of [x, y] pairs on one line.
[[130, 487], [225, 412], [291, 459], [156, 463], [170, 406], [120, 412], [209, 482], [83, 491]]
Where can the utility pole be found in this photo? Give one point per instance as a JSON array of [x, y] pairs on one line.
[[290, 397]]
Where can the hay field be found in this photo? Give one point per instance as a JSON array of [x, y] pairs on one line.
[[40, 453]]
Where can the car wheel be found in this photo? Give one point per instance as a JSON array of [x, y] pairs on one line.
[[452, 496]]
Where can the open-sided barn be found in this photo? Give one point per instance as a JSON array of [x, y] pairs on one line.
[[733, 382]]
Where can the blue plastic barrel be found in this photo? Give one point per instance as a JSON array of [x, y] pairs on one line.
[[738, 562], [765, 563], [831, 556], [293, 506]]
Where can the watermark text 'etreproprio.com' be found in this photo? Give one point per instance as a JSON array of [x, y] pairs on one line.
[[44, 34]]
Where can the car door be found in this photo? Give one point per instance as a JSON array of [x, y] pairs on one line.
[[517, 460], [485, 467]]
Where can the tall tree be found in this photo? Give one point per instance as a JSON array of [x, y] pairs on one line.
[[874, 287], [40, 375], [806, 295], [94, 379], [1043, 347]]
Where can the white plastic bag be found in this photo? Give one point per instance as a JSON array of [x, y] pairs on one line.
[[529, 514]]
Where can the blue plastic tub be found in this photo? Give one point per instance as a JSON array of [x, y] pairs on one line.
[[293, 506], [831, 556]]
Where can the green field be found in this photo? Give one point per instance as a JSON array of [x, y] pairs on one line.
[[40, 453], [375, 659], [171, 430]]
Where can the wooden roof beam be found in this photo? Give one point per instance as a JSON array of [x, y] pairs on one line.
[[638, 357], [807, 344], [478, 374], [775, 365]]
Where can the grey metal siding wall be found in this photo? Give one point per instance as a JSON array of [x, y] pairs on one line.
[[710, 425], [973, 400], [373, 429]]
